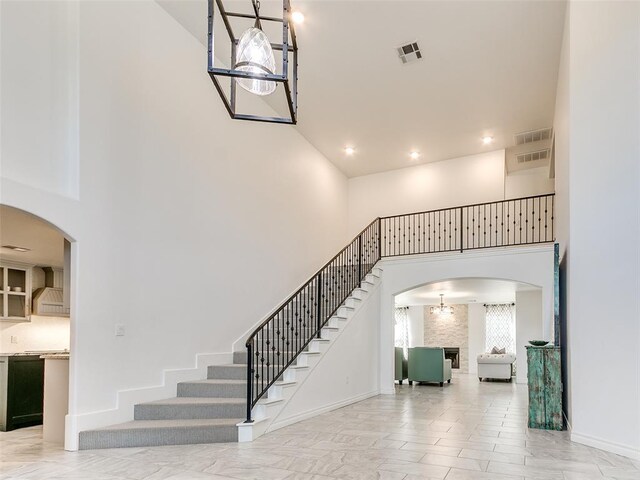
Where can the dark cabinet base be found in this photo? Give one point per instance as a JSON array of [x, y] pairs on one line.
[[25, 391]]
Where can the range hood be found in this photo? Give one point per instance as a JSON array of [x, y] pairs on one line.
[[50, 299]]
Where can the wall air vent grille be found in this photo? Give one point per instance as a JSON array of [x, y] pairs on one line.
[[533, 136], [409, 53], [533, 156]]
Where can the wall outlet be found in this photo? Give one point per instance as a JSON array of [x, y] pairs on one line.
[[119, 330], [347, 381], [14, 339]]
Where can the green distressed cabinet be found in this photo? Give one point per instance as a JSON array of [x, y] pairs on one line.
[[545, 387]]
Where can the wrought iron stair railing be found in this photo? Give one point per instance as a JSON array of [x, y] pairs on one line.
[[276, 343]]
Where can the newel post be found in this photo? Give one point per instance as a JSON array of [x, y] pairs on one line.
[[249, 380], [461, 232], [359, 259], [319, 306]]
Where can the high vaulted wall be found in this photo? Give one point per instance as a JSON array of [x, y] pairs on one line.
[[598, 177], [449, 183], [177, 213]]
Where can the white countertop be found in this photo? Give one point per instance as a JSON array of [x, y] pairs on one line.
[[36, 352], [56, 356]]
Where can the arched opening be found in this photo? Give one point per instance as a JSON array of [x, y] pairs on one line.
[[35, 324], [469, 318]]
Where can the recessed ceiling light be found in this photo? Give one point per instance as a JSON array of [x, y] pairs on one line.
[[16, 249], [414, 155], [486, 140], [349, 150], [297, 17]]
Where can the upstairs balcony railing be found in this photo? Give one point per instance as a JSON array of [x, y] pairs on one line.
[[521, 221], [281, 337]]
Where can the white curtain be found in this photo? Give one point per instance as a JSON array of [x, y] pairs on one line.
[[500, 327], [402, 327]]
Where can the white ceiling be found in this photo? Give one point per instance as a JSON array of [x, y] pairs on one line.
[[466, 290], [489, 68], [23, 230]]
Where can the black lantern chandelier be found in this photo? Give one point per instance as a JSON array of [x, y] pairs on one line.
[[258, 66]]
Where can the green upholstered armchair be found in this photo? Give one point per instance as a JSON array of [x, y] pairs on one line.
[[428, 364], [401, 365]]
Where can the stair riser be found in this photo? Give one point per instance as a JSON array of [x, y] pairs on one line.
[[240, 357], [221, 372], [156, 437], [211, 391], [185, 412]]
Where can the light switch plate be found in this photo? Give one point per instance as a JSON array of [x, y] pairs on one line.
[[119, 330], [14, 339]]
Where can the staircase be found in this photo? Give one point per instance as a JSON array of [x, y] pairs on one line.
[[205, 411], [286, 346], [213, 410]]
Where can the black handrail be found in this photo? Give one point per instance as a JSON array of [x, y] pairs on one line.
[[276, 343], [282, 336]]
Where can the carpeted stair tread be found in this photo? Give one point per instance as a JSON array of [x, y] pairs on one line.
[[217, 381], [186, 423], [146, 433], [197, 400]]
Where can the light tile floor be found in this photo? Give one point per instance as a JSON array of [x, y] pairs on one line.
[[465, 430]]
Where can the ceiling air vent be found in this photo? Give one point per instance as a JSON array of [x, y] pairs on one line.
[[533, 136], [533, 156], [409, 53]]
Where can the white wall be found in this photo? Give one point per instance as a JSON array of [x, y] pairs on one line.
[[449, 183], [526, 183], [180, 211], [560, 171], [477, 334], [529, 326], [532, 265], [346, 373], [41, 333], [604, 191], [38, 88]]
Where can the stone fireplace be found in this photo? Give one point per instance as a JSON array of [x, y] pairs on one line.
[[450, 332]]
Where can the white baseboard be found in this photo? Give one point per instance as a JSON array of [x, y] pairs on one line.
[[126, 399], [320, 410], [617, 448]]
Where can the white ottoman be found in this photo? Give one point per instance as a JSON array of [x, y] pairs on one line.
[[495, 365]]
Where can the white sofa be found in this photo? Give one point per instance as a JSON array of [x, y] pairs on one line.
[[495, 365]]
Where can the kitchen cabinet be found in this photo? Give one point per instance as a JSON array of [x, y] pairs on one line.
[[15, 292], [21, 391]]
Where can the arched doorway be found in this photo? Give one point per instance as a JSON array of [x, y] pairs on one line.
[[527, 265], [36, 311], [468, 317]]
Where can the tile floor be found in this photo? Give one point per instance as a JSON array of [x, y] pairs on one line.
[[466, 430]]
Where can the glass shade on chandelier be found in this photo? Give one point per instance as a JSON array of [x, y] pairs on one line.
[[255, 55], [261, 61], [442, 309]]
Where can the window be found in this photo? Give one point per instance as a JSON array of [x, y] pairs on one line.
[[501, 327], [402, 327]]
